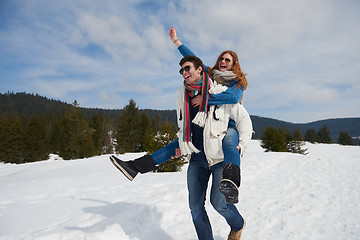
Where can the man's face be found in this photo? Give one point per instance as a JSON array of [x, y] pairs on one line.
[[190, 74]]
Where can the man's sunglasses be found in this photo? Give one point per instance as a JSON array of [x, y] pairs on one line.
[[226, 59], [186, 68]]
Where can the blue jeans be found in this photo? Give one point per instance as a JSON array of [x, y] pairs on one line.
[[164, 154], [197, 181], [229, 143]]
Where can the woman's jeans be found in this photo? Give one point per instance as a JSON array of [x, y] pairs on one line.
[[164, 154], [197, 181], [229, 143]]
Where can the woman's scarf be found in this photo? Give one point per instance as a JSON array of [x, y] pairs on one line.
[[224, 78], [200, 118]]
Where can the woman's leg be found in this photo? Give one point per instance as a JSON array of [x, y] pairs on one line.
[[145, 163], [164, 154], [229, 143], [231, 167]]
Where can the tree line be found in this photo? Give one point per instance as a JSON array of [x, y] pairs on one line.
[[29, 104], [32, 138], [279, 140], [70, 135]]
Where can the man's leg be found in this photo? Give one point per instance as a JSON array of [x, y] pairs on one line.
[[217, 199], [197, 180]]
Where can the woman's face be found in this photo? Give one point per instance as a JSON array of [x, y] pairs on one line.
[[226, 62]]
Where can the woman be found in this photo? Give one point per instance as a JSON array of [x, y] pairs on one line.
[[226, 71]]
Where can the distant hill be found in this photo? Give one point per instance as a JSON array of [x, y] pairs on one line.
[[29, 104]]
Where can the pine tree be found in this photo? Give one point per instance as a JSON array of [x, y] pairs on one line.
[[13, 142], [288, 136], [324, 135], [274, 140], [77, 136], [156, 122], [109, 137], [311, 136], [296, 144], [3, 138], [147, 136], [345, 138], [35, 140], [98, 123], [166, 134], [57, 133], [128, 129], [163, 138]]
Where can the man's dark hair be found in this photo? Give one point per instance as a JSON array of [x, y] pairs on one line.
[[195, 60]]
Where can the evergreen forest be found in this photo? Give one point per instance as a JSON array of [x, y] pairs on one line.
[[28, 135], [32, 127]]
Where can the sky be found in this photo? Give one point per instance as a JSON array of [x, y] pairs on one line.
[[302, 58]]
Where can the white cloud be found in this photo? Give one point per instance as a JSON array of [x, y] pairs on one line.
[[295, 52], [143, 88]]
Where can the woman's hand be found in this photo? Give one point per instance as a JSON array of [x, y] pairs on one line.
[[239, 148], [173, 37], [172, 34], [177, 153], [196, 101]]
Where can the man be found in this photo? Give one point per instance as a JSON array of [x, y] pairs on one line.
[[191, 141]]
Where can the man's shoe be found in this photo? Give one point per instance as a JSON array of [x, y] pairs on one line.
[[236, 235], [127, 168]]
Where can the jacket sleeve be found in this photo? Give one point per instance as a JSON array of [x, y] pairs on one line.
[[232, 95], [185, 51], [243, 125]]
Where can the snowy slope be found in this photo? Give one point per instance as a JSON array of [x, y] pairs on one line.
[[283, 196]]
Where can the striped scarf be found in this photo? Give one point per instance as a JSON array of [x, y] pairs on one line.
[[191, 91]]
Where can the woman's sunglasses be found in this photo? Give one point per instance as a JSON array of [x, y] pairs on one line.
[[226, 59], [186, 68]]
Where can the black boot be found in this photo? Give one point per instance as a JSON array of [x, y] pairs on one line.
[[230, 183], [131, 168]]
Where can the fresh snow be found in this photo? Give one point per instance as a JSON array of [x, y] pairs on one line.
[[282, 196]]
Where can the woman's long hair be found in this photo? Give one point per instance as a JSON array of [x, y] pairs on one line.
[[236, 69]]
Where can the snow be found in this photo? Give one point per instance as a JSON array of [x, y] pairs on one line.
[[283, 196]]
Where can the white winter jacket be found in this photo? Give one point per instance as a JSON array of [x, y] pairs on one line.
[[216, 126], [185, 147]]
